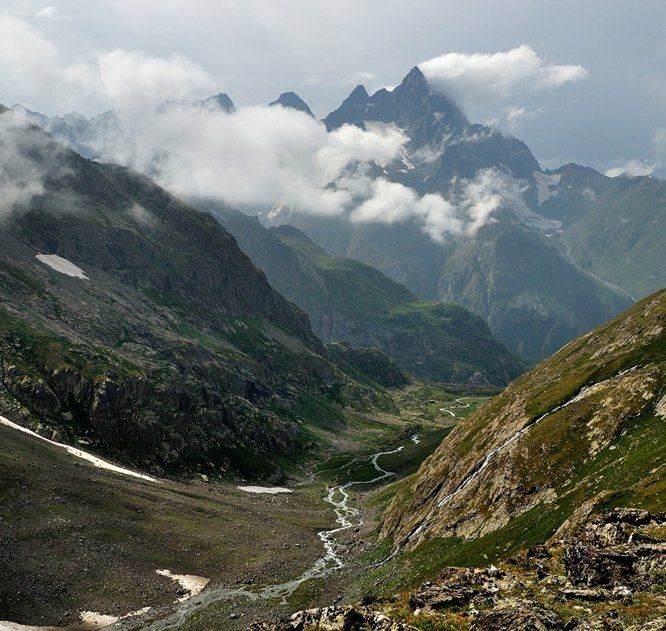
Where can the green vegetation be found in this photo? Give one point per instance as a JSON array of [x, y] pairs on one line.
[[348, 301], [604, 450]]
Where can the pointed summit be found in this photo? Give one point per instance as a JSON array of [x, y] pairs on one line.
[[358, 94], [292, 101], [352, 110], [415, 80]]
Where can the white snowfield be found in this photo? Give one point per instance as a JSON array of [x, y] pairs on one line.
[[79, 453], [59, 264], [271, 490]]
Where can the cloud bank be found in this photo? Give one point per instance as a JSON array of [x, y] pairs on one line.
[[268, 156], [482, 78]]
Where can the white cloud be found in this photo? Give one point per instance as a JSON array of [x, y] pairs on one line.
[[117, 78], [379, 143], [469, 208], [267, 156], [48, 13], [28, 158], [633, 167], [482, 78]]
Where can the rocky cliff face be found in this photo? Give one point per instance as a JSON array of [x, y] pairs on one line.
[[167, 348], [581, 429]]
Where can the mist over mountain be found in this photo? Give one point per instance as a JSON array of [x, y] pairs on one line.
[[264, 369], [417, 191]]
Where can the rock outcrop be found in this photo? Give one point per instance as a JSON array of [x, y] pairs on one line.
[[606, 574]]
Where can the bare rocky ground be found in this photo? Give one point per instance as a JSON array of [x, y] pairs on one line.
[[605, 575]]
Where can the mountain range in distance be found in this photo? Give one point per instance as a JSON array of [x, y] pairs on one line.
[[571, 250]]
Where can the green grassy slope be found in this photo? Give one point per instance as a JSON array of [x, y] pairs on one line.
[[605, 448], [350, 301]]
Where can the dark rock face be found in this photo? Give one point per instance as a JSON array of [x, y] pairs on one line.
[[609, 552], [371, 363], [174, 353]]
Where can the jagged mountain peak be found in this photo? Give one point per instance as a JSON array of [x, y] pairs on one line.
[[415, 79], [359, 93], [413, 105], [292, 101], [221, 100]]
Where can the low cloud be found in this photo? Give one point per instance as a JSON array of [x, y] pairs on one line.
[[266, 156], [483, 78], [633, 167], [470, 207], [28, 160]]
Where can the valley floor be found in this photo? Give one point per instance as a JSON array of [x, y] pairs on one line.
[[76, 538]]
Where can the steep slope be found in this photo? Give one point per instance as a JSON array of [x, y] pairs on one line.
[[541, 292], [584, 430], [135, 323], [535, 313], [613, 227], [352, 302]]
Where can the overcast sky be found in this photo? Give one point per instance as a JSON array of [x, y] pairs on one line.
[[608, 110]]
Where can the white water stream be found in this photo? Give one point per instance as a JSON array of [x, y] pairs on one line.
[[346, 517]]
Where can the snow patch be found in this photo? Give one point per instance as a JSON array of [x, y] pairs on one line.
[[189, 582], [79, 453], [271, 490], [89, 621], [59, 264]]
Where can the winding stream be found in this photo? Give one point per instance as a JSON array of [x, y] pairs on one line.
[[346, 517]]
